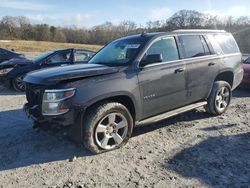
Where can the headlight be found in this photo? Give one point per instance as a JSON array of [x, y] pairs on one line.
[[52, 101], [5, 71]]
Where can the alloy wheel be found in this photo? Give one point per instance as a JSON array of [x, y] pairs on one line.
[[19, 84], [111, 131], [222, 98]]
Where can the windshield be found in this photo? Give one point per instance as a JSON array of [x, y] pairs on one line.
[[119, 52], [43, 56]]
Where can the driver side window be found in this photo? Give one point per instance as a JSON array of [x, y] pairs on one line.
[[166, 47], [61, 57]]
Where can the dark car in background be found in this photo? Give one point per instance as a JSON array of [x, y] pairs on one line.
[[246, 77], [6, 54], [13, 71]]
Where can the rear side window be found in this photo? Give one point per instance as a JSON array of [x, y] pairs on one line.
[[216, 47], [193, 46], [227, 43], [166, 47], [82, 55]]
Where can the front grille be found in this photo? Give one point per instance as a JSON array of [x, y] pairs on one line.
[[34, 94]]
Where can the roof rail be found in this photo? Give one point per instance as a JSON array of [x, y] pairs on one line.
[[200, 30]]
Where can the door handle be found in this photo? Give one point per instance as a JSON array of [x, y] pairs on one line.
[[211, 64], [179, 70]]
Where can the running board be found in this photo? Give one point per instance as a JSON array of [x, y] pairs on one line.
[[171, 113]]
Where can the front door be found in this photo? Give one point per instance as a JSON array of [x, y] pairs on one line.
[[163, 85]]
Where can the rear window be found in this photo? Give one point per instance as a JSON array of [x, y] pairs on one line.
[[227, 43], [193, 46]]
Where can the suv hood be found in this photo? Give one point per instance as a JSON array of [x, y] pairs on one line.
[[15, 61], [52, 76]]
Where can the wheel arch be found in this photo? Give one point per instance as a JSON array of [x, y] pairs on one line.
[[125, 99], [227, 76]]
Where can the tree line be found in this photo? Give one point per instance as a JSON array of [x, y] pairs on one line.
[[21, 28]]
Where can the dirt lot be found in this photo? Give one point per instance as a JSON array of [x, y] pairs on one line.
[[189, 150]]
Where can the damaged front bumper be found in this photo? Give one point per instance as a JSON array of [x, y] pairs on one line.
[[31, 111], [34, 112], [72, 120]]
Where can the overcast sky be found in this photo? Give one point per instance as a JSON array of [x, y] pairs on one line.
[[88, 13]]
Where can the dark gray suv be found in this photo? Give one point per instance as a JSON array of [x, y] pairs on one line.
[[135, 80]]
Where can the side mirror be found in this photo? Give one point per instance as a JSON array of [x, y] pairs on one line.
[[151, 59]]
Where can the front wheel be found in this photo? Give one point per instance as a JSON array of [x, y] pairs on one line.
[[18, 83], [219, 98], [108, 126]]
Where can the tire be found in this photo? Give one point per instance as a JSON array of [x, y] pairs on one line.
[[108, 126], [219, 98], [17, 83]]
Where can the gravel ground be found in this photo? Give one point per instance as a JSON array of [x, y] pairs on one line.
[[189, 150]]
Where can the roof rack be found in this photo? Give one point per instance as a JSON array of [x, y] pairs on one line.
[[199, 30]]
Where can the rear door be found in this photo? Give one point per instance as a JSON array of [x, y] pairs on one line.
[[201, 65], [162, 85]]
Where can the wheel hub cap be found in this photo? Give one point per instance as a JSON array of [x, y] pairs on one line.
[[110, 130]]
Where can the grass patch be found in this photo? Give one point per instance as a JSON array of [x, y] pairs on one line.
[[41, 46]]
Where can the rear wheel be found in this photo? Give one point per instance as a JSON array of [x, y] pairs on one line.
[[18, 83], [107, 127], [219, 98]]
